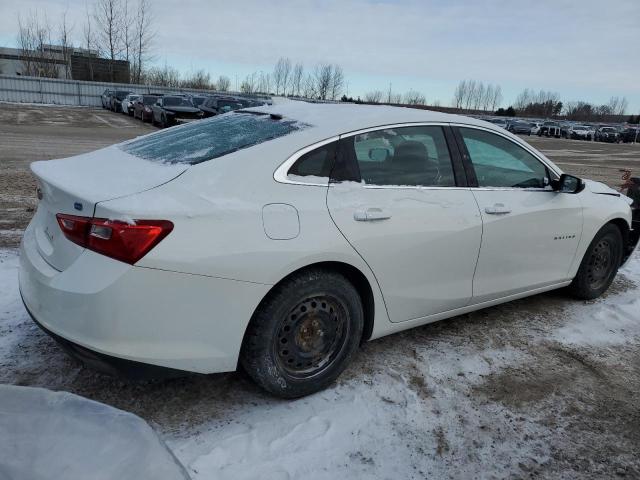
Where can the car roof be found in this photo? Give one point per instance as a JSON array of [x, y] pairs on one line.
[[334, 119]]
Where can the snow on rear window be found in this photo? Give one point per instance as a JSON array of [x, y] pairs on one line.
[[213, 137]]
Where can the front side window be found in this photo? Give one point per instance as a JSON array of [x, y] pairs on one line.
[[207, 139], [499, 162], [405, 156]]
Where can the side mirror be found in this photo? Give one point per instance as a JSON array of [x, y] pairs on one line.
[[567, 184], [378, 154]]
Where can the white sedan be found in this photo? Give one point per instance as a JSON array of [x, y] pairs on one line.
[[281, 237]]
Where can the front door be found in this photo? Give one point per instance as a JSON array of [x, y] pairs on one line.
[[530, 232], [416, 229]]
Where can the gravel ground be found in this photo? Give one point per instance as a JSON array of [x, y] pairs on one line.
[[544, 387]]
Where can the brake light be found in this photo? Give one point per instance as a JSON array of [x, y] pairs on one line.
[[127, 242]]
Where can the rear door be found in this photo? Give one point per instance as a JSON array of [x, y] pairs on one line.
[[395, 198], [530, 232]]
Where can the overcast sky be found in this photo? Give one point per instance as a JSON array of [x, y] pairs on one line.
[[582, 49]]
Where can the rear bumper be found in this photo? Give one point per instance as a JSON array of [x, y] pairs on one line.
[[100, 308], [108, 364]]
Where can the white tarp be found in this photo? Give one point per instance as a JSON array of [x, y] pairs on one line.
[[58, 435]]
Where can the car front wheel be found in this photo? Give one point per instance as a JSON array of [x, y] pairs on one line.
[[303, 334], [599, 264]]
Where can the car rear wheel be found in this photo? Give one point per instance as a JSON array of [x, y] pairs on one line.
[[303, 334], [599, 265]]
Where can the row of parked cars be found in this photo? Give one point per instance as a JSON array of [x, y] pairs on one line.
[[550, 128], [166, 110]]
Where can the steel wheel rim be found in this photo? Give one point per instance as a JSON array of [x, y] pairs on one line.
[[312, 335], [600, 264]]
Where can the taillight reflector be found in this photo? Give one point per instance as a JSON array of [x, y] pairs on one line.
[[127, 242]]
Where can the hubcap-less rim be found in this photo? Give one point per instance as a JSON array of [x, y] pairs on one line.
[[312, 336], [600, 264]]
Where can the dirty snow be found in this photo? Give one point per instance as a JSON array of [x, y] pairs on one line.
[[545, 386]]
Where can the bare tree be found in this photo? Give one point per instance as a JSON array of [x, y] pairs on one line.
[[128, 34], [108, 20], [323, 76], [144, 36], [65, 43], [459, 94], [249, 84], [337, 82], [223, 84], [496, 99], [296, 79], [199, 79], [281, 75], [414, 98], [163, 77], [309, 87], [88, 38], [617, 105], [264, 82], [373, 97], [34, 41]]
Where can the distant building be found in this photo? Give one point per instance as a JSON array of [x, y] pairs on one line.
[[82, 64]]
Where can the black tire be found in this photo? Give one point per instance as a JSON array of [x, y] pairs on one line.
[[599, 264], [303, 334]]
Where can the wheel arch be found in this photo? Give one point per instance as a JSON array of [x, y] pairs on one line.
[[628, 242], [353, 274]]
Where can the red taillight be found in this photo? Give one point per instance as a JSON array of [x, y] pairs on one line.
[[127, 242]]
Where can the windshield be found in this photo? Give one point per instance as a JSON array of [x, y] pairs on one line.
[[197, 101], [177, 102], [211, 138], [120, 95], [149, 100]]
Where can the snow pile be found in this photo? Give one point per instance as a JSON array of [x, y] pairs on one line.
[[46, 435]]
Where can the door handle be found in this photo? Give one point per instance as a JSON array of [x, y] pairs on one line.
[[497, 209], [371, 214]]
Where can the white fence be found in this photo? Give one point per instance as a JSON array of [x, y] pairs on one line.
[[70, 92]]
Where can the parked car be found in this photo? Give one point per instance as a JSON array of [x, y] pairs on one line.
[[217, 105], [171, 109], [142, 108], [519, 127], [535, 127], [580, 132], [501, 122], [607, 134], [198, 100], [254, 238], [549, 129], [630, 135], [105, 98], [116, 99], [128, 103]]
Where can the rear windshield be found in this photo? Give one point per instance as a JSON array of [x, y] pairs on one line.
[[213, 137], [149, 100]]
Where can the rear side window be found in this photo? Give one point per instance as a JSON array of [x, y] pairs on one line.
[[405, 156], [211, 138], [316, 163]]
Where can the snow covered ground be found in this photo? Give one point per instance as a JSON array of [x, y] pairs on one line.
[[545, 386]]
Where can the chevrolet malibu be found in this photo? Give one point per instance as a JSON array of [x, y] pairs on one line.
[[280, 238]]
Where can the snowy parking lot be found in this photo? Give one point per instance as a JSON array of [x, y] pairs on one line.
[[544, 386], [541, 387]]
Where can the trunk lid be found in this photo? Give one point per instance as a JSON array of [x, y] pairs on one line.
[[75, 185]]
